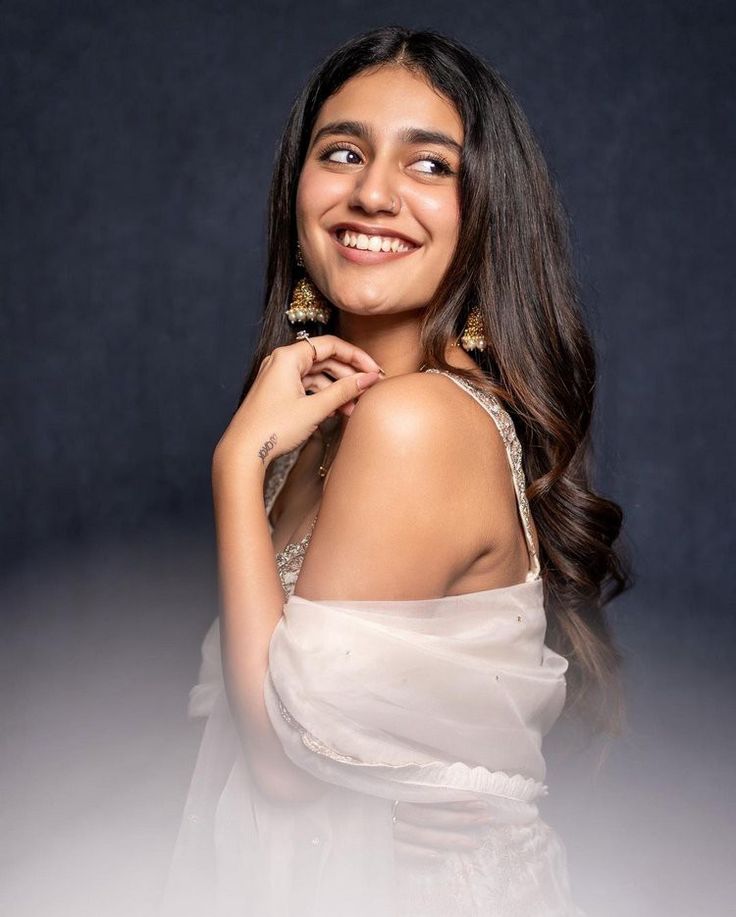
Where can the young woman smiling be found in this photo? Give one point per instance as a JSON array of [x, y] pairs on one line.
[[402, 522]]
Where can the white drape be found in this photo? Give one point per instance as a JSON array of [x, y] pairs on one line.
[[422, 700]]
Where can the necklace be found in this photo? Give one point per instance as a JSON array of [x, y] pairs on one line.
[[323, 463], [324, 467]]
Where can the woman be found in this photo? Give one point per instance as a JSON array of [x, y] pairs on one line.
[[378, 685]]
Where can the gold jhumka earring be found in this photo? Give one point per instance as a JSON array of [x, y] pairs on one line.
[[473, 336], [307, 303]]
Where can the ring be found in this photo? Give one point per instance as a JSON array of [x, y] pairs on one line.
[[393, 810], [304, 336]]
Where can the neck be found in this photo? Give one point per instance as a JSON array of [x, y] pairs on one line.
[[392, 340]]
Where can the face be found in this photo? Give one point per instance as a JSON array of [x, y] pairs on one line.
[[395, 193]]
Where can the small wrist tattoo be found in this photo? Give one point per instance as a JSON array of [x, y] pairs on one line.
[[267, 447]]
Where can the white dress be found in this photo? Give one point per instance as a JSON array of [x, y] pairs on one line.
[[420, 700]]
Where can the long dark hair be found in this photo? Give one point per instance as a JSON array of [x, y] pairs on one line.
[[512, 260]]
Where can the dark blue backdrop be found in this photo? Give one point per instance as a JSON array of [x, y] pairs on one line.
[[136, 146]]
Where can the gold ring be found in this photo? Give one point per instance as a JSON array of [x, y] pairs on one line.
[[304, 336]]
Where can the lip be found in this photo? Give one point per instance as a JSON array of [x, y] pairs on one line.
[[362, 256]]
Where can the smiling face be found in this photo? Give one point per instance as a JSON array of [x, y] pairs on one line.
[[378, 207]]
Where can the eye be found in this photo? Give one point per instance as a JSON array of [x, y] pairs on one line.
[[327, 154], [442, 165], [438, 165]]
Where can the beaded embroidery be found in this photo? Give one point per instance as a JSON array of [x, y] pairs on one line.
[[289, 561], [312, 742]]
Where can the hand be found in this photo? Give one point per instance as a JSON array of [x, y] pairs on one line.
[[424, 830], [277, 414]]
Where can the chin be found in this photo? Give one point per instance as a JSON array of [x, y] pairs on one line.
[[358, 304]]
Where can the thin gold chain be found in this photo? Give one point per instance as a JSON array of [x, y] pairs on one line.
[[323, 466]]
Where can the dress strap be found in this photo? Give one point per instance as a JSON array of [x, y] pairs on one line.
[[511, 442]]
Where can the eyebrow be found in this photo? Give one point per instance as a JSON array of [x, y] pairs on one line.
[[409, 135]]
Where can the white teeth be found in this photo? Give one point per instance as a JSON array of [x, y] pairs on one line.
[[372, 243]]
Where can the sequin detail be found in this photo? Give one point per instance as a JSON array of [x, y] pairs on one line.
[[308, 740], [289, 561]]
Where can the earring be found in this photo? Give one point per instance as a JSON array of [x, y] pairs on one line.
[[307, 303], [473, 336]]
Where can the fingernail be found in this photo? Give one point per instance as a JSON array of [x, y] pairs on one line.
[[362, 382]]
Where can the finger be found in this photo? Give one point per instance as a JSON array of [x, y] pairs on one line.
[[318, 382], [340, 392], [333, 367], [329, 345], [437, 840], [439, 817], [415, 853]]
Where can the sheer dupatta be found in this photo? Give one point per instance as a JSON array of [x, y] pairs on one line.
[[428, 700]]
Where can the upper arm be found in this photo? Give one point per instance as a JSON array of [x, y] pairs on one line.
[[396, 515]]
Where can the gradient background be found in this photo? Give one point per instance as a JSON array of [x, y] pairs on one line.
[[136, 146]]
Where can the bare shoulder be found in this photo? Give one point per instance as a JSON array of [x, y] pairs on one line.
[[422, 404], [402, 514], [421, 410]]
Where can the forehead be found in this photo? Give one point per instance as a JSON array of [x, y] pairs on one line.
[[390, 98]]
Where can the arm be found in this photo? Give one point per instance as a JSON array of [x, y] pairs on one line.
[[251, 603], [274, 418]]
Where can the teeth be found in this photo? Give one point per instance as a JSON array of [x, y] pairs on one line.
[[372, 243]]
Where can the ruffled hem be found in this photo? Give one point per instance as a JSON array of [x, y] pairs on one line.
[[458, 775]]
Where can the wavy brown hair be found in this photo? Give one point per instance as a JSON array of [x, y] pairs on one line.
[[513, 261]]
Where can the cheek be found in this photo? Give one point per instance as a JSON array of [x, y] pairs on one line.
[[440, 213], [317, 192]]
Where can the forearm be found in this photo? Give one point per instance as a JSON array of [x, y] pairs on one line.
[[251, 605]]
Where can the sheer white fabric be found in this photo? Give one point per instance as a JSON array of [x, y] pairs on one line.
[[425, 700]]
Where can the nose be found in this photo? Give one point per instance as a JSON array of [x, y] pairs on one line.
[[374, 189]]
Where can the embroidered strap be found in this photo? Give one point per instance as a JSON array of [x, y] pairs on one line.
[[511, 442]]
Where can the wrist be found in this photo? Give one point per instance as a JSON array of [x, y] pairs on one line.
[[242, 464]]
